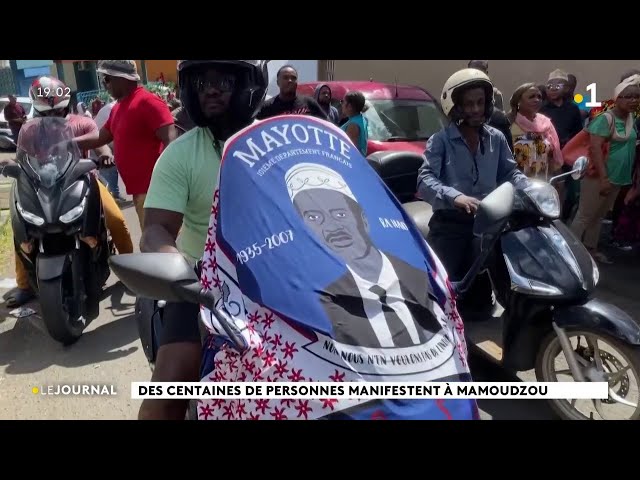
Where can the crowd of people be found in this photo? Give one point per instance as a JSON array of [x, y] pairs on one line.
[[546, 132]]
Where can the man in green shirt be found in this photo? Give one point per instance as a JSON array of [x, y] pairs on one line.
[[221, 97], [178, 203]]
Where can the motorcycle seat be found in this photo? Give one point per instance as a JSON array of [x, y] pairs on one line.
[[399, 171], [420, 212]]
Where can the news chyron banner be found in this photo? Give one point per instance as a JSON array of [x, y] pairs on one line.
[[326, 277]]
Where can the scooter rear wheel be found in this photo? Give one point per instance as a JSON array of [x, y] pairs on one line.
[[621, 369]]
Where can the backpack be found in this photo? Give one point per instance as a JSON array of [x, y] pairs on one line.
[[580, 145]]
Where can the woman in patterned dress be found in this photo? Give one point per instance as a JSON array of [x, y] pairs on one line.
[[535, 140]]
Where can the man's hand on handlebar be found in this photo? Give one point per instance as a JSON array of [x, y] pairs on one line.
[[468, 204], [105, 161]]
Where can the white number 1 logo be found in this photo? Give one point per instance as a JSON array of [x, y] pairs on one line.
[[592, 102]]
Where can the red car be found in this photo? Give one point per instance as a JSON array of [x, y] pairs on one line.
[[401, 117]]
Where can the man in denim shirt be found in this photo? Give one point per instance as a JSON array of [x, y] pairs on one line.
[[464, 162]]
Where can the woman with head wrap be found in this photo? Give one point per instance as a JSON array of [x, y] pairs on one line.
[[609, 104], [608, 173]]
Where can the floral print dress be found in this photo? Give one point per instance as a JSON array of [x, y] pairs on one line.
[[531, 152]]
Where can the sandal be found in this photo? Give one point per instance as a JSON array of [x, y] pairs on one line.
[[20, 298]]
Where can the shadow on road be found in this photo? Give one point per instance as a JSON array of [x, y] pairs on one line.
[[27, 348], [484, 370], [116, 292]]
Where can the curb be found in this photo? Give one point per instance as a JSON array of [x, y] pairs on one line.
[[5, 192]]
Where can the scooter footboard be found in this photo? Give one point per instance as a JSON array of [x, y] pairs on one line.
[[597, 315]]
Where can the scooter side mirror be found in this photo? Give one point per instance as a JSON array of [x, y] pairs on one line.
[[12, 170], [494, 211], [492, 216], [160, 276], [579, 168]]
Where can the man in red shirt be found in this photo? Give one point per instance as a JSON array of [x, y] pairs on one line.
[[140, 126], [15, 116]]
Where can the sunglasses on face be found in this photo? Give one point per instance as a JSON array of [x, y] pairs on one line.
[[222, 84], [105, 79], [555, 86]]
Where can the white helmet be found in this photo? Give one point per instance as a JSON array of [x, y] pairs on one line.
[[466, 78]]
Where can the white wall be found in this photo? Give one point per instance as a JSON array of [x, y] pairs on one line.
[[307, 72]]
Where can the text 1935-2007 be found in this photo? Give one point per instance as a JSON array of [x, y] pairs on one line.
[[274, 241]]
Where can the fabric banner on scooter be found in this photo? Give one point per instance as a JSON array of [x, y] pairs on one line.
[[326, 277]]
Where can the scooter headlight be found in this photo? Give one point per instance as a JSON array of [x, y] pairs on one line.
[[545, 198], [29, 217], [73, 214]]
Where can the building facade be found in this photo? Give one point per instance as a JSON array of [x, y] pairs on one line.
[[507, 75]]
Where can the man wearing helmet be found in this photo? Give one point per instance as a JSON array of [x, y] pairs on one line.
[[464, 162], [220, 97], [140, 126], [50, 97]]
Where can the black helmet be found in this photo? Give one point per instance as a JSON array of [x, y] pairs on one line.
[[246, 99]]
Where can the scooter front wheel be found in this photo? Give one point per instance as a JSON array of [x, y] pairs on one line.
[[58, 311], [600, 357]]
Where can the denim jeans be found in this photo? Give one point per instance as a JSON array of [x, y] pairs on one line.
[[110, 176]]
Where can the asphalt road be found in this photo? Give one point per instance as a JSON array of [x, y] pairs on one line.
[[109, 352]]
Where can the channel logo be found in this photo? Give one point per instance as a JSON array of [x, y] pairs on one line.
[[587, 101]]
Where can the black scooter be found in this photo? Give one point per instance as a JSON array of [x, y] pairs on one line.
[[545, 280], [59, 227]]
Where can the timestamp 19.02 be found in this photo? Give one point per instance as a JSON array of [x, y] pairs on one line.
[[55, 92], [274, 241]]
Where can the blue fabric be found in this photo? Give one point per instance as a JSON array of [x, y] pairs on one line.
[[325, 276], [110, 177], [363, 124]]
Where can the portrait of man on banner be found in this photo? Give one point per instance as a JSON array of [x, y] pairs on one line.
[[380, 301]]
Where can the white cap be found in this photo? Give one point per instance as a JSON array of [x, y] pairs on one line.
[[305, 176]]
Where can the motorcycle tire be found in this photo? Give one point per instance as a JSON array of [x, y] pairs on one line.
[[550, 348], [192, 411], [59, 322]]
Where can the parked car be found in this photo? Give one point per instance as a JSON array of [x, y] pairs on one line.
[[401, 117], [5, 131]]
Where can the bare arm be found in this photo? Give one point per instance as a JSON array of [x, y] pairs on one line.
[[104, 155], [167, 134], [94, 140], [102, 151], [353, 131], [176, 362], [160, 230]]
